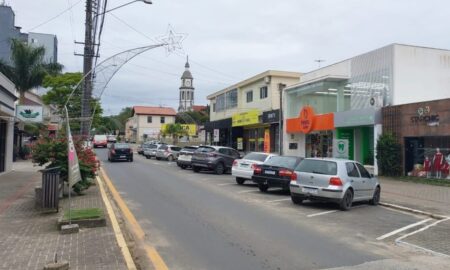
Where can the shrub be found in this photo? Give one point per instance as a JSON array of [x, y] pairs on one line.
[[389, 155], [52, 152]]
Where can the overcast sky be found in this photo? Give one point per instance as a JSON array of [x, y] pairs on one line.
[[231, 40]]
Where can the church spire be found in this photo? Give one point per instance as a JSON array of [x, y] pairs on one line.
[[187, 66]]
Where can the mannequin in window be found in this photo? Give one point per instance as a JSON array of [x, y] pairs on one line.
[[445, 169], [427, 166], [438, 162]]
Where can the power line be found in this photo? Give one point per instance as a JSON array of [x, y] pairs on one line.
[[133, 28], [54, 17]]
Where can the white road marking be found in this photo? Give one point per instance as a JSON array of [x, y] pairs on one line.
[[403, 229], [247, 191], [280, 200], [421, 229], [226, 184], [322, 213]]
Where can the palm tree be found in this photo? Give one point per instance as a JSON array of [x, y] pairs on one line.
[[28, 69]]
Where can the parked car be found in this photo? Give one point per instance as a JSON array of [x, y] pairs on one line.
[[150, 150], [185, 156], [140, 149], [168, 152], [111, 138], [120, 151], [100, 141], [337, 180], [216, 158], [276, 172], [243, 168]]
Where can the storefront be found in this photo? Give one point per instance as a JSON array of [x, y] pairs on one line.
[[423, 130], [310, 134], [254, 131], [220, 132], [360, 128]]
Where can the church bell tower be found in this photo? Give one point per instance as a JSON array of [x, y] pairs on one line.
[[186, 90]]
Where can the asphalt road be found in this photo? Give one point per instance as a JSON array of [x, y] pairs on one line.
[[205, 221]]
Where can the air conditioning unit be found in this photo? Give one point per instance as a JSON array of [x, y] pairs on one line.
[[376, 101]]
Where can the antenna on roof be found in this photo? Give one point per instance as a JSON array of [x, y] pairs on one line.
[[319, 61]]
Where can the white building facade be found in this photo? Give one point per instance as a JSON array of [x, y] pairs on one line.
[[8, 99], [341, 103], [146, 122]]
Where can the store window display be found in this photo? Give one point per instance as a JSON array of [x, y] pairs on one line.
[[438, 161], [436, 164]]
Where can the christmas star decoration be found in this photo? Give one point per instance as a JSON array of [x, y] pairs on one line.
[[172, 40]]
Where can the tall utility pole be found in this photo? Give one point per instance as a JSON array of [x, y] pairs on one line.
[[87, 66]]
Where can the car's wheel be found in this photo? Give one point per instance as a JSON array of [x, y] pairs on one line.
[[147, 157], [131, 159], [170, 158], [219, 169], [240, 180], [183, 167], [346, 202], [263, 188], [157, 158], [376, 197], [196, 169], [296, 199]]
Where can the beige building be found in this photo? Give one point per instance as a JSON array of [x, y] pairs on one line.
[[246, 115], [8, 97], [146, 122]]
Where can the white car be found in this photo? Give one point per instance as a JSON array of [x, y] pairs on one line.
[[243, 168]]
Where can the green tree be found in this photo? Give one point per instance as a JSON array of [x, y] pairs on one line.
[[59, 89], [389, 155], [28, 69], [175, 131]]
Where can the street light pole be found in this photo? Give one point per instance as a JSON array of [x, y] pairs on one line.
[[88, 62]]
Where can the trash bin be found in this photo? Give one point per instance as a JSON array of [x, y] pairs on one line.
[[50, 188]]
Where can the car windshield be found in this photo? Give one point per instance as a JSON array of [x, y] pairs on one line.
[[189, 148], [175, 148], [100, 137], [256, 156], [153, 146], [317, 166], [285, 162], [121, 146], [205, 149]]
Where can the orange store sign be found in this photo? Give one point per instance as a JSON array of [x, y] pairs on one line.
[[309, 121]]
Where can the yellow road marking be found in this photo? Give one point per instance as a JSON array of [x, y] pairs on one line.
[[115, 224], [136, 228]]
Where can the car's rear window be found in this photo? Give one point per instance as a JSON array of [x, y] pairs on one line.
[[256, 156], [175, 148], [152, 146], [317, 166], [205, 149], [121, 146], [285, 162], [189, 148]]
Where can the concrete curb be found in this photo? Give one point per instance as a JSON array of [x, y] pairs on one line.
[[414, 211], [116, 227]]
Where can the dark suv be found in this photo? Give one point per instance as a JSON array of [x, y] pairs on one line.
[[216, 158]]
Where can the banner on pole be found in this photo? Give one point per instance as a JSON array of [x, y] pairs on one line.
[[73, 166]]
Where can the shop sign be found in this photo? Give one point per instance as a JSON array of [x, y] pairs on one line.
[[190, 129], [267, 140], [29, 113], [216, 135], [424, 116], [308, 121], [340, 148], [353, 118], [240, 143], [246, 118], [271, 116]]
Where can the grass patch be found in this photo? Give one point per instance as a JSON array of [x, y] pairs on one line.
[[86, 213], [426, 181]]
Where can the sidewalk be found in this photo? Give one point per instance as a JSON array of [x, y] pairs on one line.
[[434, 199], [30, 239]]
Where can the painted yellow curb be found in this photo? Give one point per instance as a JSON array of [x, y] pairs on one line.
[[115, 224], [151, 252]]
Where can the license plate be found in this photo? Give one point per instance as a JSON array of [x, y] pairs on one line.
[[309, 190], [269, 172], [244, 165], [122, 156]]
